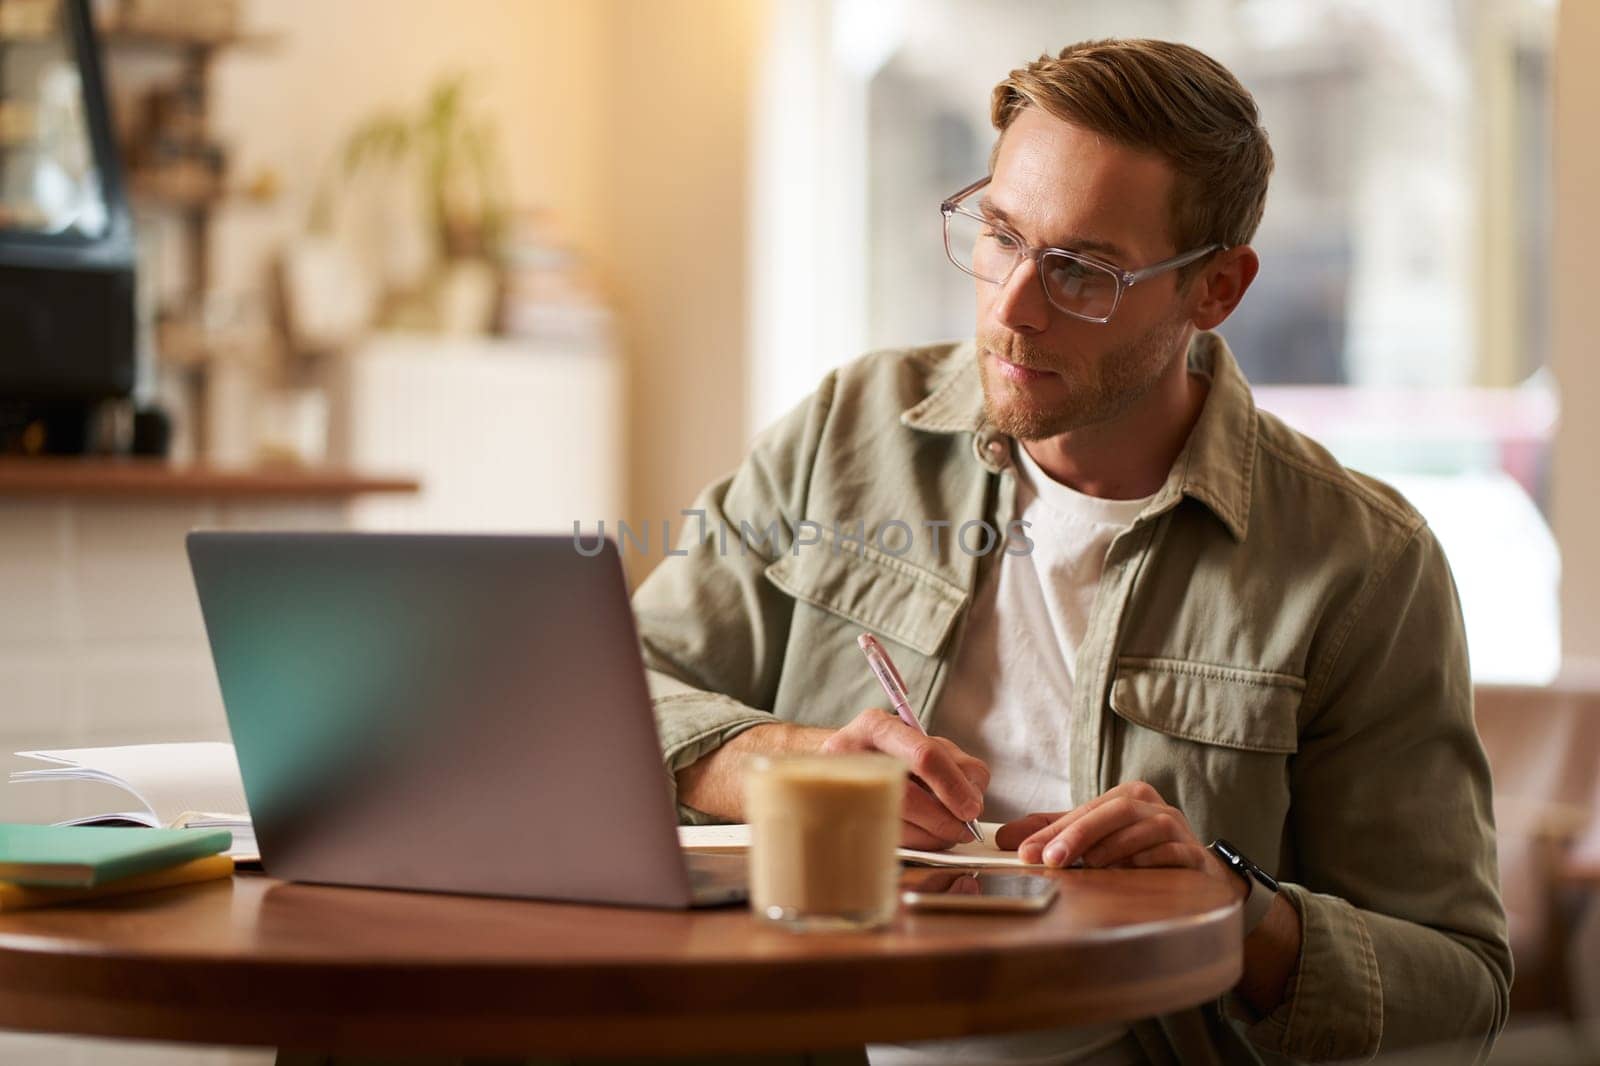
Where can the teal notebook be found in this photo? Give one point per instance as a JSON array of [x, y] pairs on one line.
[[93, 855]]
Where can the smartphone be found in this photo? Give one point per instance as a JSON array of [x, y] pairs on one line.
[[959, 888]]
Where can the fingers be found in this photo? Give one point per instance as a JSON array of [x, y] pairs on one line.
[[1066, 837], [1008, 836], [919, 839], [856, 735], [973, 769], [931, 761], [1115, 828], [935, 824], [1137, 791], [946, 787], [950, 774], [1133, 845]]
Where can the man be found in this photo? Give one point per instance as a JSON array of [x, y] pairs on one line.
[[1137, 613]]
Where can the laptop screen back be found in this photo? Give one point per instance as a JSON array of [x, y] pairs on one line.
[[450, 713]]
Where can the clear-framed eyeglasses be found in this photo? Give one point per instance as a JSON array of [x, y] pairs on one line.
[[1080, 285]]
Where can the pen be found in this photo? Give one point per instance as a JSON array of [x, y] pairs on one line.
[[895, 688]]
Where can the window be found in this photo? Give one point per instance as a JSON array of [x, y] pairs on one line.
[[1399, 316]]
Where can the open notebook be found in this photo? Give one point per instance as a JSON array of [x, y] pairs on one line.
[[186, 786], [967, 853]]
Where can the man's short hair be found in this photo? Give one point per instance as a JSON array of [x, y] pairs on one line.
[[1165, 98]]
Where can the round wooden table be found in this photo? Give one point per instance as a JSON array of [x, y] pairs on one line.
[[259, 961]]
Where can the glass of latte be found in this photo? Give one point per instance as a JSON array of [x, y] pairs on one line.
[[823, 833]]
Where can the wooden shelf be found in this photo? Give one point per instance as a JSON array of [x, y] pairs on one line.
[[164, 41], [158, 194], [158, 479]]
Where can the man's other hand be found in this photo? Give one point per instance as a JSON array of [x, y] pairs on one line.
[[946, 787], [1129, 825]]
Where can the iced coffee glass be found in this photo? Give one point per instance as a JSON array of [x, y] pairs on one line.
[[823, 832]]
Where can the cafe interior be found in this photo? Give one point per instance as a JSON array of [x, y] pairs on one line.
[[531, 266]]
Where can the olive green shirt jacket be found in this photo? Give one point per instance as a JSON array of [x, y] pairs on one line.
[[1276, 647]]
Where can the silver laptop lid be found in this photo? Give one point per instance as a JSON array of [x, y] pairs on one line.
[[449, 713]]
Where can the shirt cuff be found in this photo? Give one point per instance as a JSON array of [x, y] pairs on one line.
[[1334, 1008], [691, 725]]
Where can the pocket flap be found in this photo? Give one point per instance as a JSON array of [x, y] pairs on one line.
[[1251, 710], [886, 595]]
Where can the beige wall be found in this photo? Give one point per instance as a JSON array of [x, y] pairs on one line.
[[289, 107], [677, 77], [629, 119], [1576, 495]]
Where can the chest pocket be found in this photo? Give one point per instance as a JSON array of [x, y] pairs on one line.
[[842, 591], [1214, 740]]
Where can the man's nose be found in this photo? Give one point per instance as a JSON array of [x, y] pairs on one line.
[[1019, 302]]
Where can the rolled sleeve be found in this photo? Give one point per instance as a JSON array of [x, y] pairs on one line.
[[1334, 1009], [694, 724]]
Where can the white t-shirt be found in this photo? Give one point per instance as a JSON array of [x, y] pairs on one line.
[[1008, 702], [1009, 694]]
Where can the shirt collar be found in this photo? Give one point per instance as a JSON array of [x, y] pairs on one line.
[[954, 403], [1215, 466]]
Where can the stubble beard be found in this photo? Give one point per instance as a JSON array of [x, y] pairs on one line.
[[1099, 393]]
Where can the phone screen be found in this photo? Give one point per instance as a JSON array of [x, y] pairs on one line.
[[976, 889]]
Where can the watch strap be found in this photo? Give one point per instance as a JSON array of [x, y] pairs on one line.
[[1256, 904]]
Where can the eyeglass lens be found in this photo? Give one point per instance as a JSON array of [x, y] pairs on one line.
[[991, 254]]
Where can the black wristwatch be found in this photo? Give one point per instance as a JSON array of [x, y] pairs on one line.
[[1260, 883]]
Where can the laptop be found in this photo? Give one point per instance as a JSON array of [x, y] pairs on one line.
[[446, 713]]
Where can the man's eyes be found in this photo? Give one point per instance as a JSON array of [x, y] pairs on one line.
[[1060, 266], [1002, 238]]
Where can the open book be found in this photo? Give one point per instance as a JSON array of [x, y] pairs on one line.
[[185, 786], [967, 853]]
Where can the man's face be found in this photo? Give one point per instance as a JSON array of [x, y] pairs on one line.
[[1045, 372]]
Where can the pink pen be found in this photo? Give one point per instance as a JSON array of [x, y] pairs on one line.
[[895, 688]]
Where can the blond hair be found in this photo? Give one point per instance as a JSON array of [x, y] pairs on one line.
[[1165, 98]]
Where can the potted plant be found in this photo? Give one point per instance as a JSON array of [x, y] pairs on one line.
[[453, 156]]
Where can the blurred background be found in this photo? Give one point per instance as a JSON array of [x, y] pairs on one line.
[[515, 264]]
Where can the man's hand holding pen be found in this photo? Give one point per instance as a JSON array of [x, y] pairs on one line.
[[944, 791], [946, 787]]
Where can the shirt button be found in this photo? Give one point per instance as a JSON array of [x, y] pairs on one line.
[[997, 452]]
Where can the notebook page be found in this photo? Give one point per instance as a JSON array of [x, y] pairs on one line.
[[968, 853], [169, 779], [714, 837]]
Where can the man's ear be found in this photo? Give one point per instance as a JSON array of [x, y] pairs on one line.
[[1222, 285]]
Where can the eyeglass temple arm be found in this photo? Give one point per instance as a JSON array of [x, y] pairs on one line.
[[956, 198], [1168, 264]]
